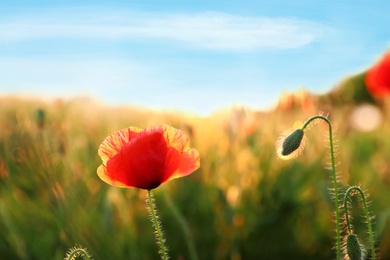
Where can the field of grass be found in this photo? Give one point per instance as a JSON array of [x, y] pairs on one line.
[[243, 202]]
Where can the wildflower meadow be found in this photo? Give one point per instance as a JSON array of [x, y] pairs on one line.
[[307, 179]]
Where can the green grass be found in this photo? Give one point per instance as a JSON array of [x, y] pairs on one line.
[[243, 203]]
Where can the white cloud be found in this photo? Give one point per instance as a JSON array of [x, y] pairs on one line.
[[210, 30], [35, 73], [228, 32]]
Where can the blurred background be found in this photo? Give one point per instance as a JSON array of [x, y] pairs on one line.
[[243, 203], [233, 76]]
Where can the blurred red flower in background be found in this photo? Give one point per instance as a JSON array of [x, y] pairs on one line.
[[378, 77], [145, 159]]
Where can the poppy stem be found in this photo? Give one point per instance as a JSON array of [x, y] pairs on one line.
[[78, 251], [334, 175], [152, 209], [349, 193]]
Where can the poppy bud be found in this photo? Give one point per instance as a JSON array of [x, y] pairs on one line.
[[289, 146], [354, 249], [292, 142]]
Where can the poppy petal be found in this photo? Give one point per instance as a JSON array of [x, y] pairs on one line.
[[140, 162], [103, 175], [176, 138], [114, 143], [146, 158], [378, 77], [189, 162], [172, 162], [189, 159]]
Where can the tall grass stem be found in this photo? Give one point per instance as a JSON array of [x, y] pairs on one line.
[[184, 226]]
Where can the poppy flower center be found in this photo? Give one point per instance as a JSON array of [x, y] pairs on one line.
[[142, 162]]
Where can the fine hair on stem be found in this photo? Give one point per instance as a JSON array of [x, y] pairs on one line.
[[289, 147], [351, 191], [158, 231], [334, 177], [76, 252]]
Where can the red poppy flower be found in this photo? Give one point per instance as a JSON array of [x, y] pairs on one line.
[[378, 77], [144, 159]]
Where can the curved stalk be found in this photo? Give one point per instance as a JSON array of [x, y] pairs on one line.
[[77, 251], [335, 184], [366, 213]]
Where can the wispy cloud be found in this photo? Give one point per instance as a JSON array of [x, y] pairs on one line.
[[208, 30]]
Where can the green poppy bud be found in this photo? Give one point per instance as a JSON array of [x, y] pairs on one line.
[[290, 145], [354, 249]]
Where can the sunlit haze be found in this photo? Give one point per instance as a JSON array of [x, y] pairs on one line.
[[187, 56]]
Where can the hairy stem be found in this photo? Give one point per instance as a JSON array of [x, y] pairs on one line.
[[76, 252], [335, 184], [157, 225], [366, 213]]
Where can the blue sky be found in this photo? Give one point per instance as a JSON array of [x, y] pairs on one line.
[[192, 56]]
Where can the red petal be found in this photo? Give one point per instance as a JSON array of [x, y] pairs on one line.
[[114, 143], [189, 162], [378, 77], [102, 173], [172, 162], [145, 159], [140, 163], [175, 138]]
